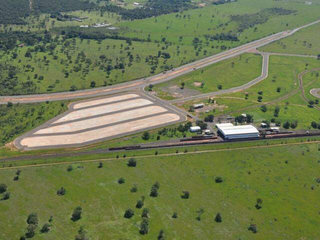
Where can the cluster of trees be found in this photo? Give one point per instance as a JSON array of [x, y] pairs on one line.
[[51, 6], [288, 124], [13, 11], [3, 191], [151, 9], [315, 125], [242, 119], [247, 21]]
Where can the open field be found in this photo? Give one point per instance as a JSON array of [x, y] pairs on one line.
[[305, 41], [18, 119], [283, 177], [226, 74], [91, 121]]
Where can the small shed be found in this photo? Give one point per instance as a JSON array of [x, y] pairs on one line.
[[195, 129], [199, 105]]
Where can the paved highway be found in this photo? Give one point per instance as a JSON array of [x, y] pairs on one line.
[[159, 78]]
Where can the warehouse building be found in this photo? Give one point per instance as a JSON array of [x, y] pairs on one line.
[[228, 131]]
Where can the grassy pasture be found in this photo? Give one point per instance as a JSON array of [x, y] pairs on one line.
[[281, 176], [229, 73], [305, 41]]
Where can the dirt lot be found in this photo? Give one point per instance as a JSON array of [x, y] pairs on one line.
[[100, 119]]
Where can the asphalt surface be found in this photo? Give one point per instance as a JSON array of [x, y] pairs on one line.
[[159, 78], [264, 75]]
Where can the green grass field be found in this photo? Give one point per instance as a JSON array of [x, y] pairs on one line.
[[19, 119], [283, 177], [229, 73], [305, 41]]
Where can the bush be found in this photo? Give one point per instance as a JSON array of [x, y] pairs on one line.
[[70, 168], [175, 215], [253, 228], [32, 219], [6, 196], [100, 165], [145, 213], [121, 180], [219, 180], [144, 226], [218, 218], [146, 136], [132, 162], [129, 213], [76, 215], [31, 231], [185, 195], [45, 228], [134, 189], [62, 191], [3, 188], [161, 235], [140, 203]]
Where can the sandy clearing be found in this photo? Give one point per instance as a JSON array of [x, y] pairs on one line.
[[103, 120], [94, 111], [88, 136], [104, 100]]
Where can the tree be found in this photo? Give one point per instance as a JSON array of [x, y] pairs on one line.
[[286, 125], [32, 219], [175, 215], [182, 85], [132, 162], [82, 234], [154, 192], [218, 218], [6, 196], [3, 188], [144, 226], [129, 213], [209, 118], [70, 168], [9, 104], [253, 228], [45, 228], [145, 213], [161, 235], [185, 195], [258, 204], [93, 84], [31, 230], [264, 108], [219, 180], [100, 165], [146, 136], [62, 191], [121, 180], [140, 203], [76, 215], [134, 188]]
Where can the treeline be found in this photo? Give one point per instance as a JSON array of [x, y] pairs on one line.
[[151, 9], [95, 35], [247, 21], [13, 11], [51, 6], [222, 37], [219, 2]]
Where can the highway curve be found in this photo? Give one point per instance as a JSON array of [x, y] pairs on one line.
[[159, 78]]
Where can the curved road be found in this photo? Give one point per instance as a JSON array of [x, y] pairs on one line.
[[264, 75], [159, 78]]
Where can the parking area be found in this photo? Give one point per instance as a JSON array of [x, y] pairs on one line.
[[101, 119]]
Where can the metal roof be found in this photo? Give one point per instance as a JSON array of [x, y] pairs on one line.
[[229, 129]]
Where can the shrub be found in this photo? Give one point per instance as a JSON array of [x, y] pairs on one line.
[[32, 219], [100, 165], [219, 180], [134, 189], [76, 215], [144, 226], [121, 180], [3, 188], [253, 228], [129, 213], [161, 235], [6, 196], [45, 228], [218, 218], [132, 162], [175, 215], [185, 195], [62, 191]]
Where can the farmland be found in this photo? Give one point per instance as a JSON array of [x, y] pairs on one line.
[[289, 207]]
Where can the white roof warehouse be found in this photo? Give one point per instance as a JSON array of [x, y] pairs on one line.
[[229, 131]]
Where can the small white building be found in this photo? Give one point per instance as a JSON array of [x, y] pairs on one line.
[[199, 105], [136, 4], [195, 129], [229, 131]]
